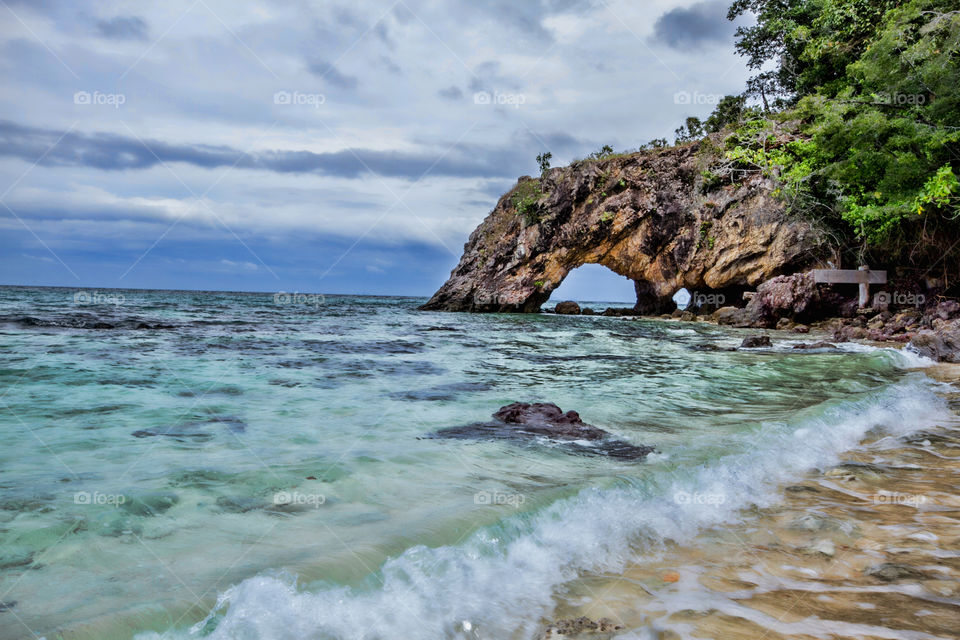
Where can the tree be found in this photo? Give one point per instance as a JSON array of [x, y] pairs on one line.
[[543, 161]]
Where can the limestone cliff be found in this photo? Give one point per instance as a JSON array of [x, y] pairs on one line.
[[649, 216]]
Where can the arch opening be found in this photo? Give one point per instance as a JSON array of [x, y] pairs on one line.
[[595, 284]]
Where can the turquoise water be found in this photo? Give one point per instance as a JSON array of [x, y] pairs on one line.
[[258, 466]]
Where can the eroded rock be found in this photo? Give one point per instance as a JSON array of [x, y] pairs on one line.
[[755, 342], [567, 308], [647, 216], [526, 421]]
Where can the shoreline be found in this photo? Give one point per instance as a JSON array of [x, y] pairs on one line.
[[867, 548]]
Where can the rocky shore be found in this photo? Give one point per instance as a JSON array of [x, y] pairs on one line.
[[795, 303], [866, 548]]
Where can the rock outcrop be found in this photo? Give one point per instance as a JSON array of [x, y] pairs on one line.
[[522, 421], [649, 216]]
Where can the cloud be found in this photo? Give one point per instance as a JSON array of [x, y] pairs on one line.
[[694, 26], [328, 72], [123, 28], [112, 152], [451, 93]]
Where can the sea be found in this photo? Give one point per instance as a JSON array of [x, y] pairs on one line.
[[182, 464]]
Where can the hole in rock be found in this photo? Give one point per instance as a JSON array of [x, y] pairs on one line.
[[594, 283]]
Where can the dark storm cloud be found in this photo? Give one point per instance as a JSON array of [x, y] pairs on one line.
[[112, 152], [694, 26], [123, 28]]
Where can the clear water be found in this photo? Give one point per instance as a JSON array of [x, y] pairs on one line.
[[261, 468]]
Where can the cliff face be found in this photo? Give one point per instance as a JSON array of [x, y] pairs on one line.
[[648, 216]]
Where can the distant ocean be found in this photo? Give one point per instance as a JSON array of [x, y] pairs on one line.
[[228, 465]]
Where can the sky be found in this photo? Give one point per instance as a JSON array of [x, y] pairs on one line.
[[336, 147]]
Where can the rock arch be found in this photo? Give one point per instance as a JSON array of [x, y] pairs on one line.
[[647, 216]]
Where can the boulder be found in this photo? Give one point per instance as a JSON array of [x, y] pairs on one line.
[[948, 309], [789, 297], [754, 342], [527, 421], [567, 308], [587, 311], [941, 345]]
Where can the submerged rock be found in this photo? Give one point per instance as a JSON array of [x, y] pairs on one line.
[[577, 626], [892, 572], [710, 347], [815, 345], [524, 421]]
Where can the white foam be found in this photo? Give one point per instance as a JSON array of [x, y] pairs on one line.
[[502, 580]]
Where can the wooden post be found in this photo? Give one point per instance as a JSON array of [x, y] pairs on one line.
[[862, 276], [864, 288]]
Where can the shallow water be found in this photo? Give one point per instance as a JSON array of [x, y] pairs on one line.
[[248, 466]]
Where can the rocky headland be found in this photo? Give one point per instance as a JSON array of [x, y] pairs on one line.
[[661, 219]]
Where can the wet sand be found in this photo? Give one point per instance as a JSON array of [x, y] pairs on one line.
[[867, 549]]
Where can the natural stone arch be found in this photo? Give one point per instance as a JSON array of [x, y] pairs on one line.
[[593, 283], [646, 216]]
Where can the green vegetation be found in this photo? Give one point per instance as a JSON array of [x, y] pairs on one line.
[[525, 200], [854, 113], [859, 121]]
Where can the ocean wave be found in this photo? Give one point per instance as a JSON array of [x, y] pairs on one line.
[[501, 581]]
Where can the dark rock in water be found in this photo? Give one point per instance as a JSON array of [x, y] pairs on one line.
[[587, 311], [576, 626], [941, 345], [240, 504], [753, 342], [181, 433], [150, 504], [892, 572], [567, 308], [8, 605], [441, 329], [522, 420], [815, 345], [233, 423], [441, 392], [710, 347]]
